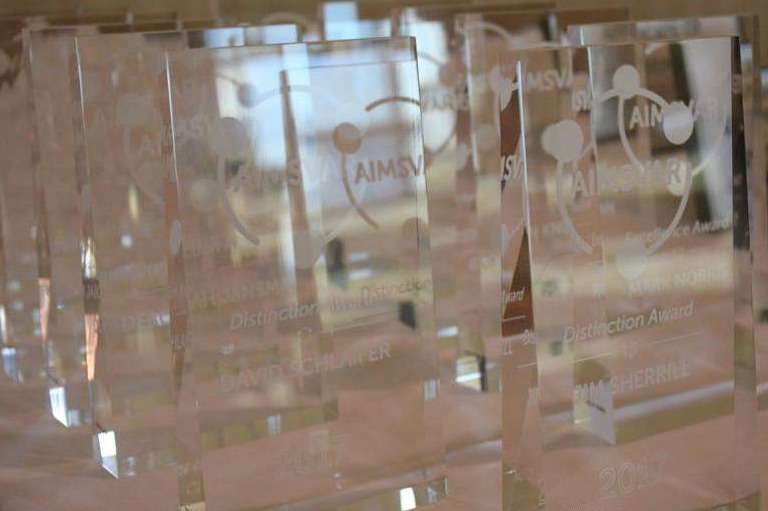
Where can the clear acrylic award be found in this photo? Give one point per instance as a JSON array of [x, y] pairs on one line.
[[484, 36], [20, 332], [300, 248], [22, 359], [123, 90], [746, 28], [636, 387], [61, 257]]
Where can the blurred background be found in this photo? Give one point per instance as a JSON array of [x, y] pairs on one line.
[[254, 10]]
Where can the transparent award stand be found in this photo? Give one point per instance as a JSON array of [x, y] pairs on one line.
[[61, 258], [454, 232], [301, 251], [19, 328], [123, 92], [484, 36], [22, 359], [643, 346], [746, 28]]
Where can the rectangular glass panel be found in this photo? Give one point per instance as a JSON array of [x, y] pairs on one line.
[[123, 92], [635, 172], [484, 36], [22, 356], [60, 253], [20, 331], [301, 233], [746, 28]]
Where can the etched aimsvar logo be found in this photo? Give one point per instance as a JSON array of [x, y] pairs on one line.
[[338, 174], [565, 141]]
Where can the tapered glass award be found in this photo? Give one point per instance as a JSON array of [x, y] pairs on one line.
[[746, 28], [455, 237], [642, 340], [301, 249], [22, 359], [61, 257], [20, 331], [123, 92]]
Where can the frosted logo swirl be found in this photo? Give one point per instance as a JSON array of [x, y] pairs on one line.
[[565, 142], [240, 175]]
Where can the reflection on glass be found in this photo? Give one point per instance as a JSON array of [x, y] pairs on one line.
[[643, 335], [61, 257], [128, 331], [746, 28], [301, 238], [19, 328]]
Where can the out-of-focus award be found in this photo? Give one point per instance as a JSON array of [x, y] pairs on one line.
[[301, 248], [61, 257], [303, 16], [19, 334], [643, 336], [22, 358], [123, 91]]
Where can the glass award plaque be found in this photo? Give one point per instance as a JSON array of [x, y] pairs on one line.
[[746, 28], [121, 177], [445, 109], [643, 346], [484, 36], [301, 237], [54, 109], [19, 333], [22, 359]]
